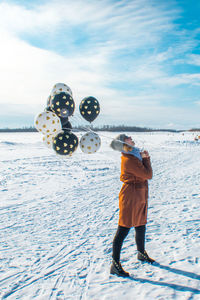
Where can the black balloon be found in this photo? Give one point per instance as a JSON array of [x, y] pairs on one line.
[[63, 105], [66, 124], [65, 143], [48, 108], [89, 108], [64, 121], [49, 101]]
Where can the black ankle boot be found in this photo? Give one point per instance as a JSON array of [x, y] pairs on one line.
[[145, 257], [116, 269]]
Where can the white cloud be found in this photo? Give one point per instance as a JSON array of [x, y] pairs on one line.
[[177, 80], [135, 22], [197, 103], [153, 116], [28, 73], [30, 70], [194, 59]]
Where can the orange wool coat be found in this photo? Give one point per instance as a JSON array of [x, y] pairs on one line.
[[133, 197]]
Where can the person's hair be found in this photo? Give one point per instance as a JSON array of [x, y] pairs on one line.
[[127, 148]]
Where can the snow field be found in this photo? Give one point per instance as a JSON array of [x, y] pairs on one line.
[[58, 218]]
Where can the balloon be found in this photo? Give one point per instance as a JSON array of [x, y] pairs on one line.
[[63, 105], [48, 140], [60, 87], [90, 142], [66, 124], [47, 122], [64, 121], [89, 108], [49, 101], [48, 108], [65, 143]]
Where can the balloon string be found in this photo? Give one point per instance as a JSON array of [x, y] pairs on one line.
[[81, 127], [110, 138], [77, 117], [89, 129]]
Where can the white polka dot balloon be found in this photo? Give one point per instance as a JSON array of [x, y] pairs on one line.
[[90, 143], [47, 122], [59, 88], [48, 140]]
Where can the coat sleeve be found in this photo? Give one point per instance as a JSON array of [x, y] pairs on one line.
[[138, 168]]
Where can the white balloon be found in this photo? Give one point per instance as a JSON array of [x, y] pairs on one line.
[[90, 143], [59, 88], [47, 122], [49, 101], [48, 140]]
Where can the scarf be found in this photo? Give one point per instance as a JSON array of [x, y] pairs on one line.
[[135, 151]]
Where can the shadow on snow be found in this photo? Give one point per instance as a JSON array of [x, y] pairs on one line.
[[166, 284], [177, 271], [171, 285]]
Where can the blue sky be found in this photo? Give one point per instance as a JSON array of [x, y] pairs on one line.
[[139, 58]]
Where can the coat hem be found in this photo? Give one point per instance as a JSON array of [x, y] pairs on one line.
[[130, 226]]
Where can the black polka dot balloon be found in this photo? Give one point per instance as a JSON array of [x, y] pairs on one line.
[[66, 124], [89, 108], [49, 101], [63, 105], [65, 143], [48, 108]]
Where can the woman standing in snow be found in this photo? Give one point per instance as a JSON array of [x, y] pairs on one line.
[[133, 200]]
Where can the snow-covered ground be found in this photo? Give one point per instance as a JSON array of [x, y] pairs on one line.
[[58, 218]]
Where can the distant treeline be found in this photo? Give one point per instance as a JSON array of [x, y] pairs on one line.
[[23, 129], [117, 128], [194, 129], [128, 128]]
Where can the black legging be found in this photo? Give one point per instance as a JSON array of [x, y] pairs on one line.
[[121, 234]]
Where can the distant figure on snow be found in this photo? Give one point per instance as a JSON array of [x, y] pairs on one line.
[[133, 200]]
